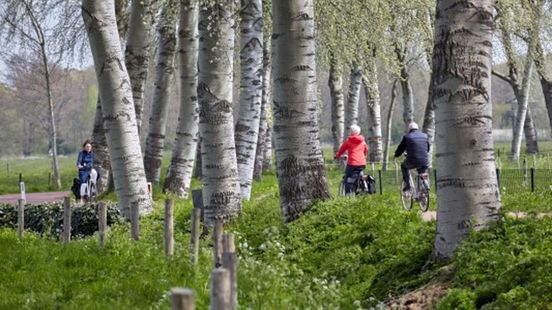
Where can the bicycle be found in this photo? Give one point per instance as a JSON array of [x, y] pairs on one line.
[[419, 192], [359, 183]]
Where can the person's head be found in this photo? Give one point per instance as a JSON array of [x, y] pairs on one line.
[[412, 126], [87, 145], [355, 130]]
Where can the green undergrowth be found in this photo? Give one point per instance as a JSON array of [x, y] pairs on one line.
[[342, 253], [506, 267]]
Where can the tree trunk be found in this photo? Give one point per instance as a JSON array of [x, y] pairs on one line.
[[221, 187], [117, 107], [468, 195], [353, 97], [370, 81], [265, 108], [267, 153], [523, 103], [429, 122], [408, 98], [251, 90], [531, 139], [137, 52], [51, 117], [547, 93], [299, 162], [335, 83], [545, 80], [155, 142], [99, 141], [121, 13], [389, 126], [179, 175], [101, 152]]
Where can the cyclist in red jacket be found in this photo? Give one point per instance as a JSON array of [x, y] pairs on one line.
[[356, 150]]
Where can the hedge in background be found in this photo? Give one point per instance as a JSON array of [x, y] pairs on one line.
[[47, 219]]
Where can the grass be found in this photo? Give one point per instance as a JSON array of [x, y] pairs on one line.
[[340, 254]]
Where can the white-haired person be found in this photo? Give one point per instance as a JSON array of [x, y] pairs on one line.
[[356, 149], [416, 145]]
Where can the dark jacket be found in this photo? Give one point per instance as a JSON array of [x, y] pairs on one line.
[[85, 163], [416, 145]]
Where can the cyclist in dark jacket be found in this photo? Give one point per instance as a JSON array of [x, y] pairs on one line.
[[416, 145]]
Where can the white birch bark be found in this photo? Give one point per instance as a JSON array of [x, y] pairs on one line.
[[265, 108], [268, 158], [117, 107], [179, 175], [389, 126], [138, 49], [353, 97], [99, 141], [251, 89], [521, 115], [408, 98], [531, 137], [101, 151], [468, 195], [300, 165], [374, 135], [155, 142], [335, 82], [221, 187]]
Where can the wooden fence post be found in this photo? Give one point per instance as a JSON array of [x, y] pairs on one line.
[[134, 222], [194, 235], [220, 289], [66, 220], [217, 244], [182, 299], [532, 180], [20, 218], [169, 227], [380, 184], [102, 223], [230, 262]]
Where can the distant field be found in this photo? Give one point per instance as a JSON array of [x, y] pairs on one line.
[[36, 171]]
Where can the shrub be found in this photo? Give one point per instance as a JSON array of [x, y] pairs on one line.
[[47, 219]]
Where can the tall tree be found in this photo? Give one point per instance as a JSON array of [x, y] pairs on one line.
[[299, 162], [251, 90], [265, 109], [535, 8], [353, 97], [99, 140], [370, 81], [335, 82], [138, 50], [117, 107], [22, 19], [389, 127], [468, 195], [179, 175], [545, 78], [155, 142], [221, 187]]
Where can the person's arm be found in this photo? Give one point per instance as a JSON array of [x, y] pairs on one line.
[[365, 149], [341, 150], [401, 148], [79, 160]]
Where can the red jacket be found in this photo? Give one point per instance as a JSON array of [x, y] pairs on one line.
[[356, 150]]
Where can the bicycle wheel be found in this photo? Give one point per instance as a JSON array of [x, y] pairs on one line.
[[423, 196], [341, 191], [406, 197]]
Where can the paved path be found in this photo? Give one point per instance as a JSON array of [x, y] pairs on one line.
[[34, 197]]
